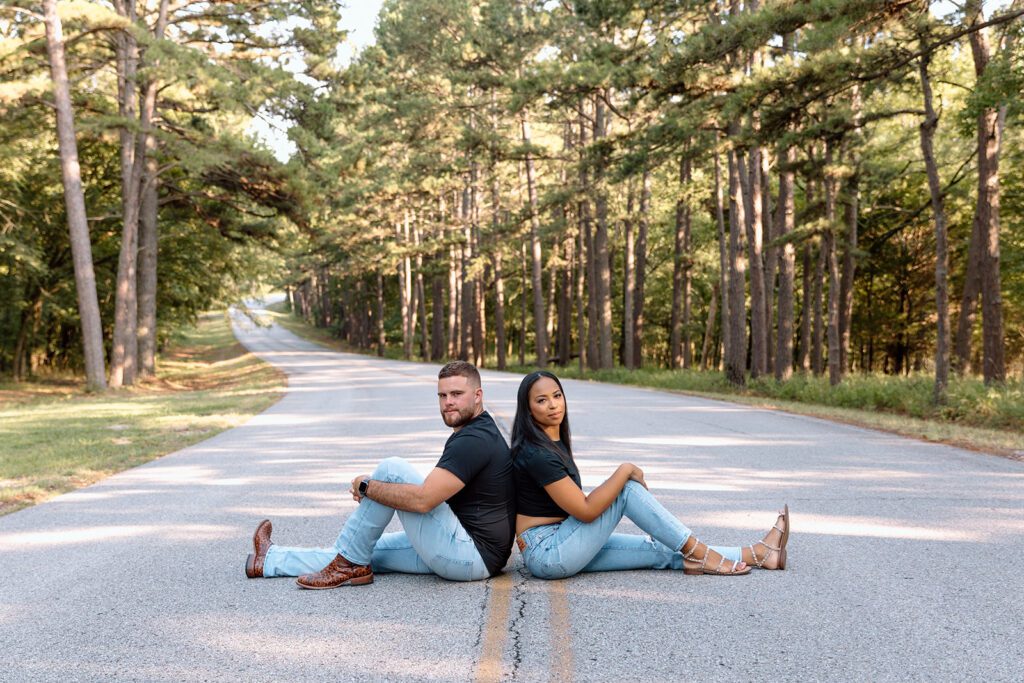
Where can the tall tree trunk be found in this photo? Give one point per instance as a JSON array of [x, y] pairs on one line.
[[972, 288], [74, 203], [496, 260], [500, 340], [454, 290], [787, 267], [852, 210], [566, 281], [679, 335], [553, 269], [989, 144], [723, 258], [405, 287], [438, 345], [537, 278], [750, 184], [25, 340], [628, 281], [817, 300], [850, 245], [581, 282], [588, 348], [479, 279], [467, 301], [807, 311], [381, 338], [928, 126], [835, 368], [421, 299], [124, 349], [771, 258], [524, 279], [709, 328], [147, 283], [736, 357], [640, 268], [599, 254], [565, 299], [480, 322]]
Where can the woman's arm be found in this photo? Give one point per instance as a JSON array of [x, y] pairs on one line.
[[587, 508]]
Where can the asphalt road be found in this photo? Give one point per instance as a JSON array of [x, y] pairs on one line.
[[903, 563]]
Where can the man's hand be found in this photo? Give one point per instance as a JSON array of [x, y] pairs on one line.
[[355, 487]]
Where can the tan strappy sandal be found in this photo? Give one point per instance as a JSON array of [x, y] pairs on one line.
[[702, 569], [781, 549]]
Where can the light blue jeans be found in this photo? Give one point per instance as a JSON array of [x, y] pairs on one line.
[[432, 543], [556, 551]]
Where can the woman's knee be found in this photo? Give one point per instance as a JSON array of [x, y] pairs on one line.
[[633, 488]]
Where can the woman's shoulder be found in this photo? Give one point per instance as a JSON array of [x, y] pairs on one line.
[[531, 450], [530, 453]]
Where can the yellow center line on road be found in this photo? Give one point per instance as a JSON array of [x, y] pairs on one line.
[[560, 624], [488, 669]]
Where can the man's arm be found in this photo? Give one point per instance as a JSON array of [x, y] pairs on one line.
[[439, 486]]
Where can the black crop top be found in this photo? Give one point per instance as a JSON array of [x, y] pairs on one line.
[[535, 468]]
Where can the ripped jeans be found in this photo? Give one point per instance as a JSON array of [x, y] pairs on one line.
[[557, 551]]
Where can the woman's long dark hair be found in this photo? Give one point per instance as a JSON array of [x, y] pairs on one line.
[[525, 430]]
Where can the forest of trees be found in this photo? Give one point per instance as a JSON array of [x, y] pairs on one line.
[[822, 186]]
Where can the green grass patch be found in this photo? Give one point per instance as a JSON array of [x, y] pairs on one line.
[[54, 437], [977, 417]]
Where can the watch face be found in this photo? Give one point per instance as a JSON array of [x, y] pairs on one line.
[[363, 484]]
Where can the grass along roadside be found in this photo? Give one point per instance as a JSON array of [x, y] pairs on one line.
[[976, 417], [55, 438], [280, 313]]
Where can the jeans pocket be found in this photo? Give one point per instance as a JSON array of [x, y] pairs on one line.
[[542, 568], [542, 561]]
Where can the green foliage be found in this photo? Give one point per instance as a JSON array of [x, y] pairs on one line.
[[224, 200]]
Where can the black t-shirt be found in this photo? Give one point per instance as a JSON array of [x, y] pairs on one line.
[[536, 467], [477, 455]]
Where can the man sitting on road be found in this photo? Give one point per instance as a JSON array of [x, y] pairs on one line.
[[459, 522]]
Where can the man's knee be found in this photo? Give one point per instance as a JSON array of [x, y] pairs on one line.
[[394, 469]]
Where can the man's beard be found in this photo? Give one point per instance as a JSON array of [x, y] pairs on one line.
[[456, 420]]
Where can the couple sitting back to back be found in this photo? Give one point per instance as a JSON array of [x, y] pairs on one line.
[[459, 522]]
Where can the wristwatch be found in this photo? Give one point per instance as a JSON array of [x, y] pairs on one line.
[[362, 486]]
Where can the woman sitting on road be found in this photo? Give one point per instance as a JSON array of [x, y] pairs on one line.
[[562, 531]]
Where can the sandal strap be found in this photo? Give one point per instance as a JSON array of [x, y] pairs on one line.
[[767, 554], [753, 553]]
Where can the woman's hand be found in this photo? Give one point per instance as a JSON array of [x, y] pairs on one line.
[[637, 475]]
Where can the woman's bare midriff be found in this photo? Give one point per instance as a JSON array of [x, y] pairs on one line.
[[524, 522]]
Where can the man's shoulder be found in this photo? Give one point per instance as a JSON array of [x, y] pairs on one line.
[[481, 432]]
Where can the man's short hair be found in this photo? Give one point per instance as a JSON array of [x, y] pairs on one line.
[[460, 368]]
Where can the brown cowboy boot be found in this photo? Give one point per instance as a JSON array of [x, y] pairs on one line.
[[338, 573], [261, 544]]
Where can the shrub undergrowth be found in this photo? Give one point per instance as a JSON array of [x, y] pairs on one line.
[[968, 401]]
